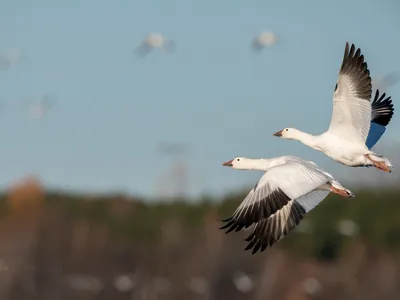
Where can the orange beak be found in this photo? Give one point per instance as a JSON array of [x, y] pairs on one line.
[[279, 133], [228, 163]]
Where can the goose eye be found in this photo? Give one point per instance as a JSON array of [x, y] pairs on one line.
[[287, 129], [238, 159]]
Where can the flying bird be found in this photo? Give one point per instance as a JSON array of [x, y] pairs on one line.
[[264, 39], [38, 109], [11, 58], [155, 40], [289, 188], [352, 131]]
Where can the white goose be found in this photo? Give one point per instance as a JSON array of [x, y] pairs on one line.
[[289, 189], [155, 40], [356, 125]]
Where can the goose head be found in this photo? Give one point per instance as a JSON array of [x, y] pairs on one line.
[[287, 133], [238, 163]]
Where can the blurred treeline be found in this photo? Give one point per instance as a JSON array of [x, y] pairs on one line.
[[64, 246]]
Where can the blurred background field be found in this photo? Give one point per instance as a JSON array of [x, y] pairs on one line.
[[69, 246], [115, 118]]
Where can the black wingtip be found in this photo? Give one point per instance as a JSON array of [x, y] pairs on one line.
[[226, 220], [232, 224], [250, 244], [382, 109], [257, 247], [249, 238], [353, 65], [230, 229], [239, 227], [227, 225], [263, 247], [382, 98]]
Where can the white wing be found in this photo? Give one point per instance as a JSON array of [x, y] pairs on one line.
[[310, 163], [278, 188], [351, 115]]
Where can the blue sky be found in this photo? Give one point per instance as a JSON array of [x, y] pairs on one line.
[[212, 94]]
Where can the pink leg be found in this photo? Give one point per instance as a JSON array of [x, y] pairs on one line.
[[340, 192], [379, 164]]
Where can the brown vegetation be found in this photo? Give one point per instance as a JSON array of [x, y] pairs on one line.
[[72, 247]]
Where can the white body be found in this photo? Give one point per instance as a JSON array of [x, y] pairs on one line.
[[336, 147], [290, 188], [345, 140]]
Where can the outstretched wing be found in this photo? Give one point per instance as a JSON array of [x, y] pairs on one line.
[[351, 114], [271, 230], [278, 189], [382, 112]]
